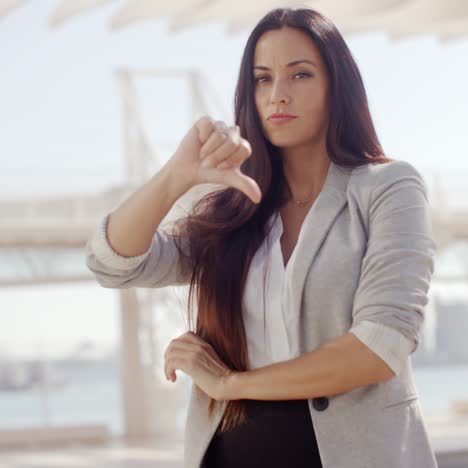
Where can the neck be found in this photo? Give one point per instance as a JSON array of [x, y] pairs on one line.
[[305, 169]]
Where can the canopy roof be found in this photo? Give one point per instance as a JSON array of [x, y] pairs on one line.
[[448, 19]]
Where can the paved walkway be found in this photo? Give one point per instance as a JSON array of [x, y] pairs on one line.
[[161, 453], [448, 434]]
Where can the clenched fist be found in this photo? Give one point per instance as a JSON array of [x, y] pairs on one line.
[[212, 152]]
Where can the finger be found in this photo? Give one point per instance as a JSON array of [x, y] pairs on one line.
[[168, 357], [215, 140], [234, 131], [205, 126], [220, 154], [237, 157], [231, 161], [230, 144], [171, 365], [227, 164], [220, 125], [166, 369], [187, 347], [166, 365], [190, 342], [221, 133], [235, 178], [170, 372], [181, 360]]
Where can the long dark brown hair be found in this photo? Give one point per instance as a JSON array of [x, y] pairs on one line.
[[225, 228]]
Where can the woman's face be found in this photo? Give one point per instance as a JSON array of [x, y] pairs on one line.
[[284, 83]]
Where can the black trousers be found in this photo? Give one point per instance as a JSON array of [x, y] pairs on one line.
[[277, 434]]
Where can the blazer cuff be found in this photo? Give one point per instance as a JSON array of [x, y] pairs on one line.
[[104, 252], [389, 344]]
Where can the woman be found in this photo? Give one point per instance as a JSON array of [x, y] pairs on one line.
[[311, 266]]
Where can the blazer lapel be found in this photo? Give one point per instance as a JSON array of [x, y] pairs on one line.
[[316, 226]]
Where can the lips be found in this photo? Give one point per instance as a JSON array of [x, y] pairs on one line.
[[281, 115], [281, 119]]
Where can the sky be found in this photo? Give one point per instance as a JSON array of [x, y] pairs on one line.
[[61, 115]]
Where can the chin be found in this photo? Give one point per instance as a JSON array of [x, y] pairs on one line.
[[285, 141]]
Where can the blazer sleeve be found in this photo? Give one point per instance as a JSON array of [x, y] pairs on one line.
[[161, 265], [389, 304]]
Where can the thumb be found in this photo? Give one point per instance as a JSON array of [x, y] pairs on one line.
[[235, 178]]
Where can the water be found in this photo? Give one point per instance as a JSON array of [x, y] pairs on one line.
[[93, 396], [437, 386]]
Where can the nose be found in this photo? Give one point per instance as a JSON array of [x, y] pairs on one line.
[[279, 93]]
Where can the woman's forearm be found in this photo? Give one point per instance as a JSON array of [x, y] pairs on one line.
[[131, 226], [338, 366]]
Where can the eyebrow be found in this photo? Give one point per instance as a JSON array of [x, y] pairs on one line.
[[290, 64]]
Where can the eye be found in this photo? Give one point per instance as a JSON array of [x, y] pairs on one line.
[[259, 78], [303, 73]]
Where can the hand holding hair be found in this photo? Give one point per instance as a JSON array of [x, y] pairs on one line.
[[197, 358]]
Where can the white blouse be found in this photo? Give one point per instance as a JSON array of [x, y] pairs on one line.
[[268, 317]]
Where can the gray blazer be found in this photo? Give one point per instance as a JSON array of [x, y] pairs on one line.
[[368, 259]]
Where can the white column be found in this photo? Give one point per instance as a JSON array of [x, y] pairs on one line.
[[131, 368]]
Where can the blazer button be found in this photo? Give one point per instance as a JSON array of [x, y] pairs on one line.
[[320, 403]]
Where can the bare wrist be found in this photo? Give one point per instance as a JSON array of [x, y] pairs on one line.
[[176, 184], [234, 386]]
